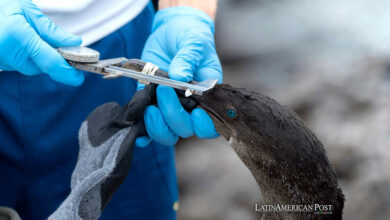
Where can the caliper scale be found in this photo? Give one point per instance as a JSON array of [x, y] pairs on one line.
[[88, 60]]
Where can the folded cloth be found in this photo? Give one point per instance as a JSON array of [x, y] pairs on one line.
[[106, 140]]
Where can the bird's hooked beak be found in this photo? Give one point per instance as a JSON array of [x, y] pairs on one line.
[[214, 103]]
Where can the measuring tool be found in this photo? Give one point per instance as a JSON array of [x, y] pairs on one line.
[[87, 59]]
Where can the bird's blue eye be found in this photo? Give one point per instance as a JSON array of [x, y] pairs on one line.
[[231, 113]]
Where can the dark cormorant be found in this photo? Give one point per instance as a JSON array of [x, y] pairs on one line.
[[287, 160]]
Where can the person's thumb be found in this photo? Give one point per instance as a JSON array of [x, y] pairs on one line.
[[48, 30], [186, 61]]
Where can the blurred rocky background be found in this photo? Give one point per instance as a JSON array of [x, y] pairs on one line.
[[330, 62]]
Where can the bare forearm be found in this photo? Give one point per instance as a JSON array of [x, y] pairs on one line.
[[208, 6]]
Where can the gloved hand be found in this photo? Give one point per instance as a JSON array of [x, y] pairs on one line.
[[27, 38], [182, 43]]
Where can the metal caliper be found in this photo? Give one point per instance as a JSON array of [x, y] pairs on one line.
[[88, 60]]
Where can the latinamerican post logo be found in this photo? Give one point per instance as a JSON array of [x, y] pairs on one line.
[[313, 208]]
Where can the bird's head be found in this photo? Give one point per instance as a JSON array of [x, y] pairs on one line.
[[235, 112], [284, 156]]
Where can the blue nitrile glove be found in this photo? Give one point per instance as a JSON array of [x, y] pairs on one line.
[[27, 38], [182, 43]]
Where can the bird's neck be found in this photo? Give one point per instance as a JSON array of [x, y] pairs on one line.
[[283, 182]]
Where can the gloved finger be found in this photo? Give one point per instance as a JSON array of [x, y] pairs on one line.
[[5, 67], [212, 69], [142, 141], [48, 30], [28, 68], [203, 124], [153, 56], [177, 119], [187, 59], [156, 127], [49, 61], [15, 56]]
